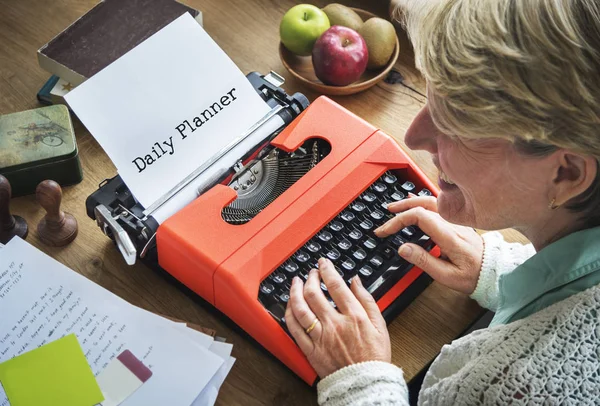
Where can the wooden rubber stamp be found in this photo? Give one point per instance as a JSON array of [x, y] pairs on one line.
[[9, 225], [57, 228]]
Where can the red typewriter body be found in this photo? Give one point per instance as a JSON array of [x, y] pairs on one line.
[[225, 263]]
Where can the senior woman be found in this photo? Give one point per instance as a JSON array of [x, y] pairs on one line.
[[513, 125]]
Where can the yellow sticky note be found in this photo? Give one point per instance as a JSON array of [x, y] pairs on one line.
[[54, 374]]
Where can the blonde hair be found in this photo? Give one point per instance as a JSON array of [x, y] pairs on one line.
[[524, 70]]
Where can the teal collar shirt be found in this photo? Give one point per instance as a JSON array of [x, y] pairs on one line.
[[563, 268]]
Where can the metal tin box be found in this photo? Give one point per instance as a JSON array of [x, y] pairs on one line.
[[36, 145]]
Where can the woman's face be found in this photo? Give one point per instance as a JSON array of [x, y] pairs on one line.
[[483, 183]]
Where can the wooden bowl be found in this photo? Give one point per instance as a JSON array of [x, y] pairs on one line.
[[301, 68]]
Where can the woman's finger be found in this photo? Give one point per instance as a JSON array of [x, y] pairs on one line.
[[316, 299], [298, 332], [439, 269], [426, 202], [368, 302], [300, 308], [339, 292], [429, 222]]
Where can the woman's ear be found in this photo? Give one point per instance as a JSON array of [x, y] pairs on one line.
[[574, 174]]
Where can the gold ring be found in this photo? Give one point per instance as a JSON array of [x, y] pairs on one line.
[[312, 326]]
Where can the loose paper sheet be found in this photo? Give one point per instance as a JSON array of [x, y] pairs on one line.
[[209, 394], [42, 300], [54, 374], [156, 137]]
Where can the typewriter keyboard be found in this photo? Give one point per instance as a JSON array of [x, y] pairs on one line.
[[349, 242]]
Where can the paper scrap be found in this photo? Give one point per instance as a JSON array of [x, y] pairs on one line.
[[209, 394], [122, 377], [157, 138], [54, 374]]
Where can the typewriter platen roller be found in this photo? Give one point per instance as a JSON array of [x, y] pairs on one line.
[[318, 187]]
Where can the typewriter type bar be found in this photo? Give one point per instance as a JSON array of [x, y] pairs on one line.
[[232, 257], [129, 224]]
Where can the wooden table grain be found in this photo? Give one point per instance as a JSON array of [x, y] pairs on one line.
[[248, 32]]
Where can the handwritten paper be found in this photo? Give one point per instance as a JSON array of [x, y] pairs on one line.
[[41, 300], [157, 138], [54, 374]]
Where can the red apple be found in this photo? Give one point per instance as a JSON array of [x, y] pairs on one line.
[[340, 56]]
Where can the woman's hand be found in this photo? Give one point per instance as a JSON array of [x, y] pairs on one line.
[[461, 247], [355, 333]]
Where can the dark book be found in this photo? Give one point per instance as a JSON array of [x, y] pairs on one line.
[[105, 33], [43, 95]]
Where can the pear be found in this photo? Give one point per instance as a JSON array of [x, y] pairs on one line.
[[380, 36], [339, 14]]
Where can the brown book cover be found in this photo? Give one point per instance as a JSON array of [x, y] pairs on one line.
[[105, 33]]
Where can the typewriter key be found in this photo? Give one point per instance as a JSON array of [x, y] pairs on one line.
[[325, 236], [344, 244], [388, 252], [376, 261], [386, 203], [313, 246], [408, 232], [397, 241], [397, 196], [359, 254], [379, 187], [389, 178], [291, 267], [408, 187], [348, 264], [278, 278], [347, 216], [302, 256], [377, 215], [366, 224], [365, 271], [425, 192], [336, 226], [358, 206], [333, 254], [370, 243], [266, 288], [369, 197], [355, 234]]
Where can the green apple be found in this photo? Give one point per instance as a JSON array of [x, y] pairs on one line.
[[301, 26]]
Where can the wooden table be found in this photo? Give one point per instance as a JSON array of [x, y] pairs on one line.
[[248, 32]]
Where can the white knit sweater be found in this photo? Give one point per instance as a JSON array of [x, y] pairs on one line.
[[550, 357]]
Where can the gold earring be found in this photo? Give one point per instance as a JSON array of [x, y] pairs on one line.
[[552, 206]]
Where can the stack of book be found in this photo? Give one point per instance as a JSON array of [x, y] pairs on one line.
[[98, 38]]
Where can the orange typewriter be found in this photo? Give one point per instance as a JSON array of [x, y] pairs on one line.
[[318, 188]]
